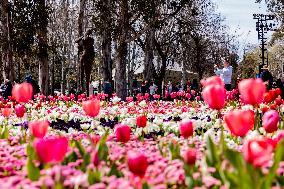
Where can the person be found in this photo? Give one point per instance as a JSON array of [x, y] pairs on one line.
[[153, 88], [86, 44], [6, 88], [144, 87], [267, 77], [107, 89], [29, 79], [225, 74], [194, 85], [134, 87], [279, 84]]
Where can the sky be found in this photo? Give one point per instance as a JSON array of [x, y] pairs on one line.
[[239, 17]]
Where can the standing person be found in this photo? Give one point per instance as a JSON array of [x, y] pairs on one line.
[[30, 80], [108, 89], [225, 73], [267, 77], [6, 89], [153, 88], [143, 88]]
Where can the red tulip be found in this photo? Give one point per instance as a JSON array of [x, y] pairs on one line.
[[38, 128], [122, 133], [240, 122], [267, 98], [214, 96], [190, 156], [91, 107], [95, 158], [6, 112], [137, 163], [20, 110], [51, 150], [257, 152], [22, 92], [270, 121], [278, 91], [252, 91], [186, 128], [215, 80], [141, 121]]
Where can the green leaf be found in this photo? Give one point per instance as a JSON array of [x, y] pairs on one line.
[[94, 177], [145, 185], [70, 158], [81, 149], [175, 151], [102, 148], [211, 157], [115, 171], [33, 171]]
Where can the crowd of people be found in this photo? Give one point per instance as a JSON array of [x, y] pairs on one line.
[[7, 86], [152, 88]]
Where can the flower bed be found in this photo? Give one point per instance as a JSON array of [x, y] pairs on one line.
[[221, 142]]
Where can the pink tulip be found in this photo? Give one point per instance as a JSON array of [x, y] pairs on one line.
[[270, 121], [190, 156], [214, 96], [91, 107], [252, 91], [51, 150], [240, 122], [215, 80], [22, 92], [20, 110], [6, 112], [141, 121], [122, 133], [38, 128], [186, 128], [137, 163], [257, 152]]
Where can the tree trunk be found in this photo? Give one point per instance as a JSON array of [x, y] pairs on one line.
[[120, 64], [149, 70], [106, 52], [7, 56], [106, 42], [42, 45], [80, 34]]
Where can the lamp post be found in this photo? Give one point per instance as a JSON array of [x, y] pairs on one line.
[[264, 24]]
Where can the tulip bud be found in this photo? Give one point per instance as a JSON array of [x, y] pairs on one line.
[[38, 128], [95, 158], [22, 92], [240, 121], [214, 96], [6, 112], [137, 163], [141, 121], [51, 150], [186, 128], [257, 152], [270, 121], [91, 107], [252, 91], [20, 110], [122, 133], [215, 80], [190, 156]]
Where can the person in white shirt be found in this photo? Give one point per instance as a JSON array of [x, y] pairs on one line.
[[225, 74]]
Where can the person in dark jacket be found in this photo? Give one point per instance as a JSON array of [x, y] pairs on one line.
[[107, 89], [267, 77], [29, 79]]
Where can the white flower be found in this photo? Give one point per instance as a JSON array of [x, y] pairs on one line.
[[247, 107], [131, 104], [85, 126], [115, 99], [143, 103]]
